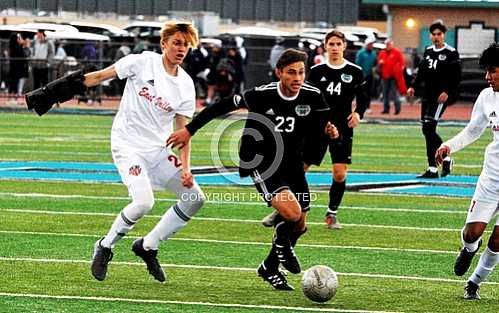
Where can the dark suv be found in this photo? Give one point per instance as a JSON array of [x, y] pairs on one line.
[[472, 78]]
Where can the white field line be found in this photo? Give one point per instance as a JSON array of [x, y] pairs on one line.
[[208, 304], [235, 220], [241, 269], [173, 200], [235, 242]]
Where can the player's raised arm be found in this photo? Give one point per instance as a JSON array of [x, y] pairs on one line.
[[65, 88], [182, 136]]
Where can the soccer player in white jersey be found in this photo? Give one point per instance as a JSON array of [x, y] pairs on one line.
[[158, 93], [485, 201]]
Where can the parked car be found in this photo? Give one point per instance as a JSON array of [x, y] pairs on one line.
[[472, 78]]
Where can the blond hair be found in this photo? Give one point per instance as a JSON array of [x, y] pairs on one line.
[[186, 28]]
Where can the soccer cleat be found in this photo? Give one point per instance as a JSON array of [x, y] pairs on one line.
[[275, 278], [332, 221], [101, 258], [287, 257], [270, 220], [471, 291], [446, 167], [463, 260], [149, 257], [428, 174]]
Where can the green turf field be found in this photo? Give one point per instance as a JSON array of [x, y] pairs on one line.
[[394, 254]]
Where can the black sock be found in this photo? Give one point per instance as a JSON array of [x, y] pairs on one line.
[[293, 238], [282, 236], [336, 194]]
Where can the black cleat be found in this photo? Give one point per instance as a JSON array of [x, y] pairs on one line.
[[428, 174], [463, 260], [446, 167], [471, 291], [275, 278], [149, 257], [287, 257], [101, 258]]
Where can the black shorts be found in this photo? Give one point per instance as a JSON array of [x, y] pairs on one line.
[[432, 111], [295, 182], [341, 149]]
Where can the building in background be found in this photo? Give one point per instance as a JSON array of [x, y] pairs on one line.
[[472, 24]]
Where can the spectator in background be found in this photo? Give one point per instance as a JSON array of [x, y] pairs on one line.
[[275, 53], [366, 59], [237, 61], [89, 58], [391, 65], [18, 65], [196, 64], [26, 46], [43, 53], [319, 55]]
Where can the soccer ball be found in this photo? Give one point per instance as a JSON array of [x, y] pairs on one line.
[[319, 283]]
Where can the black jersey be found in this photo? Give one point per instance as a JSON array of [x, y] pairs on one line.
[[277, 117], [339, 85], [440, 70], [280, 132]]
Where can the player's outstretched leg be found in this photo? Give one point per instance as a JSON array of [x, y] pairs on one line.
[[150, 258], [465, 256], [272, 219], [283, 248], [100, 260]]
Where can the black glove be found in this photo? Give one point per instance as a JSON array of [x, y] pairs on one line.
[[60, 90]]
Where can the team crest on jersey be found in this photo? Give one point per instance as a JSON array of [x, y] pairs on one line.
[[303, 110], [135, 170], [346, 78], [442, 57]]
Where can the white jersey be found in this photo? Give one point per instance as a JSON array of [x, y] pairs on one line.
[[151, 99], [485, 113]]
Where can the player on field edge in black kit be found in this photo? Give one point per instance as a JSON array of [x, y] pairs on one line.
[[286, 120], [440, 70]]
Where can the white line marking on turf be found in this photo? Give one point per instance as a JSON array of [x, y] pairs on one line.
[[235, 220], [234, 242], [157, 301], [241, 269], [41, 195]]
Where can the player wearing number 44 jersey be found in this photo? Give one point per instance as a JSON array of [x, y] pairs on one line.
[[440, 69], [340, 82], [158, 93], [286, 120]]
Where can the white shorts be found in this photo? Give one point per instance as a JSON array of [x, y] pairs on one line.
[[484, 204], [159, 166]]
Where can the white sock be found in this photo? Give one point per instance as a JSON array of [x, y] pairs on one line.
[[121, 226], [173, 221], [433, 169], [447, 158], [471, 247], [488, 261]]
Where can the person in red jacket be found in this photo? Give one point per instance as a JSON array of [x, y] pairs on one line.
[[391, 65]]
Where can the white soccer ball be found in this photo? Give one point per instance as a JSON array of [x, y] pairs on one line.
[[319, 283]]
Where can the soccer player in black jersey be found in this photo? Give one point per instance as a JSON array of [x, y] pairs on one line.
[[340, 81], [286, 120], [440, 70]]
